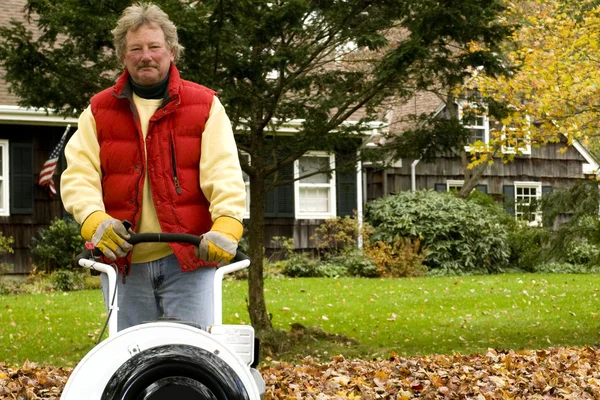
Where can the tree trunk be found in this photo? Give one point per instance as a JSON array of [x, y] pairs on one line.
[[472, 176], [257, 307]]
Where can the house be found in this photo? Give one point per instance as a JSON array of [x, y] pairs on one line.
[[533, 172], [294, 210], [27, 138]]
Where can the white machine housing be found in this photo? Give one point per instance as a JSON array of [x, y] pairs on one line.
[[234, 344]]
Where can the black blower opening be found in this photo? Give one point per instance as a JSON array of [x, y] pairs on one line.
[[175, 372]]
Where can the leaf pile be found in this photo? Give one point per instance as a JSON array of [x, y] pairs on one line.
[[555, 373], [32, 382]]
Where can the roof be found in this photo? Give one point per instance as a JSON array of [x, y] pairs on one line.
[[427, 102], [10, 112], [9, 10]]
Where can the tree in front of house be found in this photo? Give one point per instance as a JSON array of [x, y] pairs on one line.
[[315, 64], [555, 89], [551, 92]]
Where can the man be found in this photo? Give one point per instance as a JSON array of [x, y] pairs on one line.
[[158, 151]]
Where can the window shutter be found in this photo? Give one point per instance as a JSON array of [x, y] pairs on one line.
[[441, 187], [509, 198], [346, 193], [21, 178], [482, 188], [279, 202], [546, 190]]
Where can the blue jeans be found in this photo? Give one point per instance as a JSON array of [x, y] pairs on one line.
[[160, 289]]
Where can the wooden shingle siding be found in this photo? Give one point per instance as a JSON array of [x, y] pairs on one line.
[[545, 164]]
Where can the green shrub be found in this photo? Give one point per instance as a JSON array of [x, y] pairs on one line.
[[302, 265], [91, 282], [37, 283], [67, 280], [57, 246], [5, 248], [460, 236], [566, 268], [355, 263], [582, 252], [6, 244], [572, 214], [527, 246]]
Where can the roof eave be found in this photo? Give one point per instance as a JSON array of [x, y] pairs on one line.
[[17, 115]]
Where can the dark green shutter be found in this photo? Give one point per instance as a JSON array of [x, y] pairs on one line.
[[546, 190], [482, 188], [279, 202], [21, 178], [345, 183], [509, 198], [441, 187]]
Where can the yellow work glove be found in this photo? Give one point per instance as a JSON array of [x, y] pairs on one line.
[[221, 242], [107, 233]]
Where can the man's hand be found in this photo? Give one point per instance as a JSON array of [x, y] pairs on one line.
[[108, 234], [221, 242]]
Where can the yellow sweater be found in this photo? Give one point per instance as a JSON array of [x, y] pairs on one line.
[[81, 189]]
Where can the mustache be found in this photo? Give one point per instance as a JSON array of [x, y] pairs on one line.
[[147, 65]]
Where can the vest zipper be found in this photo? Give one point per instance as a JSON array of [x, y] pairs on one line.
[[174, 162]]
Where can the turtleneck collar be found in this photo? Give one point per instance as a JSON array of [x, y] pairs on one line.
[[151, 92]]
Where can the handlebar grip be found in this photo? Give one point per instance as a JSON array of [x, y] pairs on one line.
[[158, 238], [86, 254]]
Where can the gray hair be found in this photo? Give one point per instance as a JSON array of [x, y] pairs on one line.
[[140, 14]]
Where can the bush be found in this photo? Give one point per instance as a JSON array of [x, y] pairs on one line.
[[566, 268], [37, 282], [5, 248], [402, 258], [355, 263], [527, 246], [66, 280], [460, 236], [6, 244], [57, 246], [582, 252], [336, 234], [302, 265]]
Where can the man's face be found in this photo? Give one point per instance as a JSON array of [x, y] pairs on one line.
[[146, 57]]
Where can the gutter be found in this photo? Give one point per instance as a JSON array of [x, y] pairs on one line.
[[413, 175], [17, 115], [360, 188]]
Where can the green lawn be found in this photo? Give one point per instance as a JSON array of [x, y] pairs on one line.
[[412, 316]]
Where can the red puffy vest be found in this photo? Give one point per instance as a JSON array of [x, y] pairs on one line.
[[173, 146]]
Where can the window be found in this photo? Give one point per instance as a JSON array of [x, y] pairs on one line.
[[454, 185], [523, 143], [479, 128], [527, 197], [4, 178], [245, 159], [314, 192]]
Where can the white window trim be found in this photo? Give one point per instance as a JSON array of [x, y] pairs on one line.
[[247, 188], [538, 186], [5, 200], [331, 185], [485, 126], [451, 184]]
